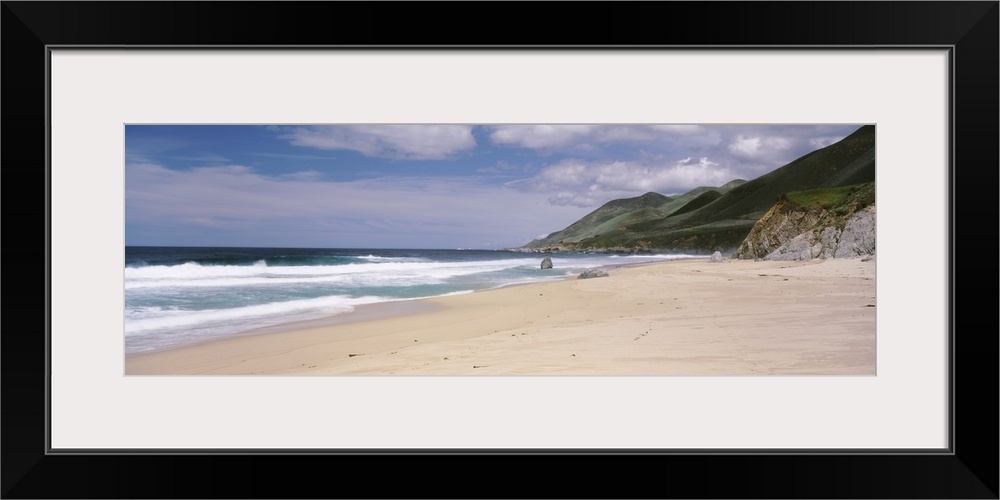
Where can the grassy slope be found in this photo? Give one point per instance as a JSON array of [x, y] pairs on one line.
[[706, 219], [810, 171], [838, 203], [699, 201], [594, 222], [627, 212], [723, 223]]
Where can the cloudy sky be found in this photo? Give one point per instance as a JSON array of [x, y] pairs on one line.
[[422, 186]]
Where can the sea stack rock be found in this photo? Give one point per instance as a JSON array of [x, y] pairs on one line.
[[593, 273], [546, 263], [716, 257]]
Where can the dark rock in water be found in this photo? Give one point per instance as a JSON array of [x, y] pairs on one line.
[[546, 263], [593, 273], [716, 257]]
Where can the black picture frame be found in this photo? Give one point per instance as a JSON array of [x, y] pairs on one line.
[[968, 470]]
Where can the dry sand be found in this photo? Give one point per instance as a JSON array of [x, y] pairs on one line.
[[689, 317]]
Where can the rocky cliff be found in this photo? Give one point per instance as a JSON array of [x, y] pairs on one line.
[[823, 223]]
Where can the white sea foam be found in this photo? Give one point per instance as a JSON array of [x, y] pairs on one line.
[[149, 319], [150, 329], [673, 256], [377, 258], [383, 273], [163, 301]]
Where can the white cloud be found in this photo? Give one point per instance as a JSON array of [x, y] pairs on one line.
[[747, 146], [702, 162], [775, 150], [539, 136], [586, 184], [584, 137], [401, 142], [679, 129], [621, 133]]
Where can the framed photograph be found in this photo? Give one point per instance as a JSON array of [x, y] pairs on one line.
[[375, 249], [189, 154]]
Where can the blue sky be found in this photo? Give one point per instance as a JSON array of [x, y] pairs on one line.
[[422, 186]]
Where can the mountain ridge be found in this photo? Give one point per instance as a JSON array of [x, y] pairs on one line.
[[708, 219]]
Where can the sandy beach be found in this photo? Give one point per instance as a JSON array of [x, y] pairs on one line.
[[689, 317]]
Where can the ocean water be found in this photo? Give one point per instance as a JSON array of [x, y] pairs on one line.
[[180, 295]]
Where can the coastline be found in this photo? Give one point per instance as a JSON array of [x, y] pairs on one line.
[[373, 310], [682, 317]]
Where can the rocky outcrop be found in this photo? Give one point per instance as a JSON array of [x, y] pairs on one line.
[[815, 224], [716, 257], [783, 223], [821, 235], [546, 263], [858, 236], [593, 273]]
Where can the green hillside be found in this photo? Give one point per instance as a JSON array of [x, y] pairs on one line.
[[597, 221], [700, 201], [617, 214], [707, 219], [822, 168]]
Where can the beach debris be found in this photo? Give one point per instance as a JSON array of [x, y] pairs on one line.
[[716, 257], [593, 273], [546, 263], [349, 355]]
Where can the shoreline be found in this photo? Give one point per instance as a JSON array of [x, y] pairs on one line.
[[679, 317], [375, 310]]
